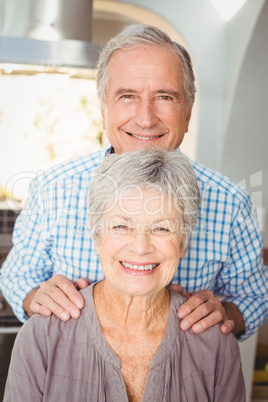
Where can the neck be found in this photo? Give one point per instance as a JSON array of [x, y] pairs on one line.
[[133, 313]]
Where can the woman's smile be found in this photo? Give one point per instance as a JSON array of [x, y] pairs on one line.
[[139, 268]]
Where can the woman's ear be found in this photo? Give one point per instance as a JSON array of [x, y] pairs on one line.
[[183, 253], [97, 247]]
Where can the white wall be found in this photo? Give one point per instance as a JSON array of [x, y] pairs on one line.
[[244, 154]]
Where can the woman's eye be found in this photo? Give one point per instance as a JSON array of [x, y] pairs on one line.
[[161, 230], [120, 228]]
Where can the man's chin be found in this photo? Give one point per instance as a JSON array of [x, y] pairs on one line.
[[133, 143]]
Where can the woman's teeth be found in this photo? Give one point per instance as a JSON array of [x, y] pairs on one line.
[[139, 267]]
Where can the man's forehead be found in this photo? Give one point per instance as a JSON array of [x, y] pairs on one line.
[[146, 49], [156, 67]]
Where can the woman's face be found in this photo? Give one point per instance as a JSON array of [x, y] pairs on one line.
[[140, 242]]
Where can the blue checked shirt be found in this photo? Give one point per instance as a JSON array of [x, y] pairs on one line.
[[52, 236]]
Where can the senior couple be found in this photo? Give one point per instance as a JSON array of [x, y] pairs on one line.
[[128, 343]]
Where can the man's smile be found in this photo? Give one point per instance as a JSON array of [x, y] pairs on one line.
[[145, 138]]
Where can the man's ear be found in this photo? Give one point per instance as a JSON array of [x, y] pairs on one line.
[[188, 118], [103, 117]]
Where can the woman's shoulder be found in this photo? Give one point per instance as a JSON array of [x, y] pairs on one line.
[[39, 326], [176, 297], [212, 339]]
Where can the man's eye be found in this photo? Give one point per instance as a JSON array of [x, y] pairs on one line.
[[127, 96], [165, 97]]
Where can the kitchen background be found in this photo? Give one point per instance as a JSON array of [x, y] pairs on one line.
[[49, 110]]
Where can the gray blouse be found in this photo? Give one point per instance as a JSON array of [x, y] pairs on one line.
[[70, 361]]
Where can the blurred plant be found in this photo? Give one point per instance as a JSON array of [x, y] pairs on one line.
[[68, 120], [45, 119], [6, 194]]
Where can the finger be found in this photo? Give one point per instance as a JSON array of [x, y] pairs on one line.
[[56, 300], [227, 326], [204, 316], [36, 308], [43, 304], [82, 283], [209, 321], [67, 287], [195, 301], [179, 289]]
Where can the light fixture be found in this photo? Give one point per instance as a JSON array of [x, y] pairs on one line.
[[53, 33], [228, 8]]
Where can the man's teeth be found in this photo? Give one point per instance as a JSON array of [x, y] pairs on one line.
[[145, 138], [139, 267]]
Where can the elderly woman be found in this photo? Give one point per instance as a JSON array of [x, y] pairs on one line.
[[127, 345]]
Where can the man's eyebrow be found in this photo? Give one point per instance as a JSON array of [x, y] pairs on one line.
[[164, 91], [175, 94], [121, 91]]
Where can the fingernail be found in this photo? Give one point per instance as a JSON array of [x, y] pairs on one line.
[[79, 304], [185, 325], [197, 328], [75, 313], [65, 316], [182, 313]]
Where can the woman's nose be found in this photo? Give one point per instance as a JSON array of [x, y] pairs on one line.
[[142, 243], [145, 114]]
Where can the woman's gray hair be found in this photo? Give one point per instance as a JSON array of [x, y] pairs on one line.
[[136, 35], [155, 169]]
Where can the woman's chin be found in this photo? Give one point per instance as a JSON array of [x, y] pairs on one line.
[[139, 286]]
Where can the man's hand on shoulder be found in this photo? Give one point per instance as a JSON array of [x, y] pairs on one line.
[[203, 309], [58, 295]]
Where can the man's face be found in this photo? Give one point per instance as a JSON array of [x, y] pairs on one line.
[[145, 102]]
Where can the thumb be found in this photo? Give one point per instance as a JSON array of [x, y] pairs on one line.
[[179, 289], [82, 283]]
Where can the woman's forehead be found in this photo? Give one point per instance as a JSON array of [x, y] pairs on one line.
[[145, 202]]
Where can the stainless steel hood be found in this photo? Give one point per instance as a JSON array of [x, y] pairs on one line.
[[54, 33]]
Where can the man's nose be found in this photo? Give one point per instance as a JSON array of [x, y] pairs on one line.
[[146, 116]]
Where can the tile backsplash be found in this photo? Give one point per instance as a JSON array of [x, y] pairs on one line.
[[7, 220]]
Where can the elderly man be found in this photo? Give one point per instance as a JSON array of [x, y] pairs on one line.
[[146, 90]]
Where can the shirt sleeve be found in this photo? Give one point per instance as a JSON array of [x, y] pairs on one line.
[[28, 263], [27, 370], [243, 280]]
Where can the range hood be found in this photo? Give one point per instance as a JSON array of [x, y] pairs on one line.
[[54, 33]]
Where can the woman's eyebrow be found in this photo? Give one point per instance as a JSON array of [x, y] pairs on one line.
[[123, 217], [163, 220], [134, 220]]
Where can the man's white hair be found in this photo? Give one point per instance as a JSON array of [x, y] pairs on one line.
[[144, 35]]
